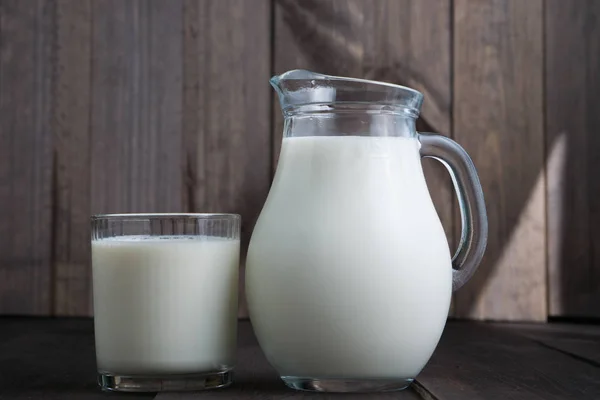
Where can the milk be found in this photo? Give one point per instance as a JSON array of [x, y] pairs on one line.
[[348, 270], [165, 305]]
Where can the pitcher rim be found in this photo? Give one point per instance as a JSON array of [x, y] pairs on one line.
[[275, 79], [302, 92]]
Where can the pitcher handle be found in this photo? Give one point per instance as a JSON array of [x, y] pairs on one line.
[[474, 229]]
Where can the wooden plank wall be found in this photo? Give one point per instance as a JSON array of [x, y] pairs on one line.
[[72, 149], [573, 144], [154, 106], [26, 156], [122, 106], [498, 118]]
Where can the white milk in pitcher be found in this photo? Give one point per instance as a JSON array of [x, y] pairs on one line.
[[348, 271], [165, 305]]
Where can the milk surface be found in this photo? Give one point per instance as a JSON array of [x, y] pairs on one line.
[[348, 271], [165, 305]]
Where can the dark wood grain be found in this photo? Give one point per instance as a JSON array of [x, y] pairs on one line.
[[72, 94], [573, 146], [477, 361], [26, 42], [137, 96], [227, 143], [581, 342], [498, 118]]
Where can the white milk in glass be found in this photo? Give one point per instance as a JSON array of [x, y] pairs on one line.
[[348, 272], [165, 305]]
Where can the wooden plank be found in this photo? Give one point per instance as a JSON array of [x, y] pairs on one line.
[[256, 379], [498, 118], [227, 110], [477, 361], [137, 97], [50, 359], [72, 274], [579, 341], [400, 41], [572, 121], [26, 42], [586, 349], [555, 328]]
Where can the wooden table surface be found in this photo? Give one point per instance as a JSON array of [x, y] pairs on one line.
[[54, 359]]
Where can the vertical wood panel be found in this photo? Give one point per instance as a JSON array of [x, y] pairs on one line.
[[498, 118], [72, 273], [400, 41], [136, 160], [25, 156], [227, 109], [573, 145]]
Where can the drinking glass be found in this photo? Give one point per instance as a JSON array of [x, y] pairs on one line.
[[165, 300]]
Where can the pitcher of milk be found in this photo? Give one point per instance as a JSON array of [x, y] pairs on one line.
[[348, 273]]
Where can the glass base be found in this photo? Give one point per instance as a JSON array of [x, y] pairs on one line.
[[346, 385], [166, 383]]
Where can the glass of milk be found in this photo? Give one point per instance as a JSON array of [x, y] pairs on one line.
[[165, 300]]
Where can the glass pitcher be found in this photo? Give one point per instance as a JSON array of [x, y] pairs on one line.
[[348, 275]]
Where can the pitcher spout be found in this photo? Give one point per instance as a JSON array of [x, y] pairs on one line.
[[302, 87], [295, 74]]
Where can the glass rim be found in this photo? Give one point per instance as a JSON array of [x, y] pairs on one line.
[[205, 216]]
